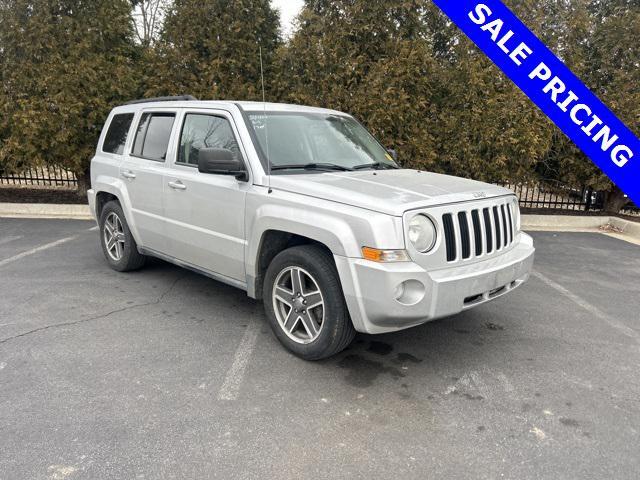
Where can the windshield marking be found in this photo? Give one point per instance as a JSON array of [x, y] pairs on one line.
[[299, 138]]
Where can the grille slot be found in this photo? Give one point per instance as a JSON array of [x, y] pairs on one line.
[[477, 232], [496, 223], [511, 227], [504, 226], [464, 234], [450, 236], [487, 229]]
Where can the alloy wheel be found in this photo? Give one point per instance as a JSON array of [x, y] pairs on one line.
[[114, 237], [298, 304]]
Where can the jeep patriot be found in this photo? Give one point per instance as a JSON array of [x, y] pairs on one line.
[[303, 208]]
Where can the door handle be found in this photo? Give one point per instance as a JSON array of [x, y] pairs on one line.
[[128, 174], [177, 185]]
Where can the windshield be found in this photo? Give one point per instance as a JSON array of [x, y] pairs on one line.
[[296, 139]]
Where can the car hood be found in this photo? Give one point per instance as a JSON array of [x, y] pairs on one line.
[[387, 191]]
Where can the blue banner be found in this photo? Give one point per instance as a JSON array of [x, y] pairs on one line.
[[552, 87]]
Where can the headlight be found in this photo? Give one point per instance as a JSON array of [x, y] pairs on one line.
[[422, 233], [516, 215]]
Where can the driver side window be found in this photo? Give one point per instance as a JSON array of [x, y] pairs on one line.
[[204, 131]]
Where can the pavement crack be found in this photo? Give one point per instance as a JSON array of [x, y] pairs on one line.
[[160, 298]]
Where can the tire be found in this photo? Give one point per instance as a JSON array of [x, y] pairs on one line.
[[124, 255], [322, 330]]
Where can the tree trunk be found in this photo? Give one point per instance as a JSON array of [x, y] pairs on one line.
[[614, 200], [84, 182]]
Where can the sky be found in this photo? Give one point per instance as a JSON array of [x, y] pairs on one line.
[[288, 11]]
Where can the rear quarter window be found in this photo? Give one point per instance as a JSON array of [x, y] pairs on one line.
[[117, 133]]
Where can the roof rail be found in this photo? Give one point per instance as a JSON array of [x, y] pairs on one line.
[[176, 98]]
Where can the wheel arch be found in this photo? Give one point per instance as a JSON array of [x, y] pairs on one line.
[[112, 190], [102, 198], [271, 244], [274, 228]]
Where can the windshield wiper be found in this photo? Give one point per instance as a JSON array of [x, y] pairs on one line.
[[312, 166], [376, 166]]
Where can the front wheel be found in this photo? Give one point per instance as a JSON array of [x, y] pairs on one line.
[[305, 305]]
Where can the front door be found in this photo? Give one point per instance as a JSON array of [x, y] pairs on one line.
[[142, 171], [205, 212]]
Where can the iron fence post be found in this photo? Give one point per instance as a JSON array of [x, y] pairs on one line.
[[587, 205]]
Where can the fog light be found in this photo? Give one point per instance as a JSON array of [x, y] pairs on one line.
[[410, 292]]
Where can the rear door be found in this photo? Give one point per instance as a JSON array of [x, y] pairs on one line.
[[105, 165], [142, 172], [205, 212]]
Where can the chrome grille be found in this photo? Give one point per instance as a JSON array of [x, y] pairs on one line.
[[476, 232]]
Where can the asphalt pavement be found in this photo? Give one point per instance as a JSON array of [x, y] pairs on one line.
[[163, 374]]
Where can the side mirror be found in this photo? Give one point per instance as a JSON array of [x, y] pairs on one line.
[[221, 161], [393, 154]]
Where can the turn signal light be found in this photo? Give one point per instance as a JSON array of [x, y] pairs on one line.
[[384, 256]]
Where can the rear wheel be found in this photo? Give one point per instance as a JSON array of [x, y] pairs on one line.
[[118, 244], [305, 305]]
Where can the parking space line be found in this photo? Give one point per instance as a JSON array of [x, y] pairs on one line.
[[9, 239], [595, 311], [46, 246], [235, 375]]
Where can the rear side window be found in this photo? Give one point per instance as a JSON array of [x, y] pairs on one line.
[[152, 136], [117, 134]]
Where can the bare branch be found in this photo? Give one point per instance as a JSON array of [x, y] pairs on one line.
[[148, 16]]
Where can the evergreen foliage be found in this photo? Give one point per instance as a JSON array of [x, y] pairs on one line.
[[63, 65], [398, 65], [210, 49]]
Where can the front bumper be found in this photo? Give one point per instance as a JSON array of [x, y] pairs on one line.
[[371, 289]]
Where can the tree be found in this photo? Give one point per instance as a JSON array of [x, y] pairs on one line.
[[367, 58], [486, 127], [611, 55], [599, 42], [338, 42], [147, 16], [417, 83], [400, 66], [210, 49], [65, 64]]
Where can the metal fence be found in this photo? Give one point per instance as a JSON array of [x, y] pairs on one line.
[[546, 194], [555, 195], [44, 176], [552, 194]]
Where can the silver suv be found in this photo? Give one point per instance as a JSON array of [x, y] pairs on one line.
[[303, 208]]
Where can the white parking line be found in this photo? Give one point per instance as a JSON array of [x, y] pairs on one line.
[[6, 261], [235, 375], [9, 239], [595, 311]]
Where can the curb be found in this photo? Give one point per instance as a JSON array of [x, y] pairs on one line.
[[626, 227], [611, 226], [571, 222], [44, 210]]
